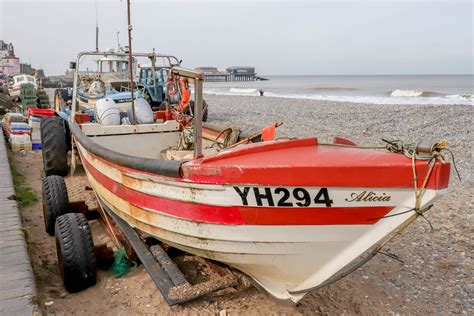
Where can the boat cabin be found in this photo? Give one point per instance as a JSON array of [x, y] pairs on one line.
[[23, 79]]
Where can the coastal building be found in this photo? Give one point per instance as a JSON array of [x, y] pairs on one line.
[[245, 71], [5, 49], [213, 74], [207, 70], [26, 69], [234, 73], [9, 64]]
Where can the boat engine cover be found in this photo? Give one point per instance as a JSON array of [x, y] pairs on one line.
[[143, 111], [107, 112]]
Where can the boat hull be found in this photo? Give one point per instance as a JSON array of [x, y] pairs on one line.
[[286, 250]]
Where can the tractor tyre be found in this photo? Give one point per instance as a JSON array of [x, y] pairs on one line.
[[55, 201], [75, 249], [54, 145], [204, 109]]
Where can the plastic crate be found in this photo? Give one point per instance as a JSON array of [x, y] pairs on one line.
[[82, 118], [29, 102], [27, 106], [36, 146], [40, 112]]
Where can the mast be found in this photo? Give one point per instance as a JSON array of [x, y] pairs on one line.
[[118, 42], [96, 29], [130, 62], [96, 38]]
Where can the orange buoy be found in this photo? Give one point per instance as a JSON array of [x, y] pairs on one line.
[[185, 95]]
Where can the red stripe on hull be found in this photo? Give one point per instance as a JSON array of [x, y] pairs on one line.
[[362, 174], [240, 215], [303, 162]]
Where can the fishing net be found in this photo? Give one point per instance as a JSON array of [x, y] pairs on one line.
[[122, 264]]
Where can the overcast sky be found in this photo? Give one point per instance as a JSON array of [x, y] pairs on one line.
[[310, 37]]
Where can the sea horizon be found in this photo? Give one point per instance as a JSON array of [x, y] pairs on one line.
[[378, 89]]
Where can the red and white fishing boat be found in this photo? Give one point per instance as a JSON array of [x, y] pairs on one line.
[[293, 215]]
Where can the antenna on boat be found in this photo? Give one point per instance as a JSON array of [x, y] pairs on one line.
[[118, 42], [130, 62], [96, 29]]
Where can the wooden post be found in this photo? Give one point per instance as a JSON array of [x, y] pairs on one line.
[[130, 62]]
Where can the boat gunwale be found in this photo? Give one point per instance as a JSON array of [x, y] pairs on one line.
[[168, 168]]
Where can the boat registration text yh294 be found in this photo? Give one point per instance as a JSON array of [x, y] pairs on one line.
[[304, 197]]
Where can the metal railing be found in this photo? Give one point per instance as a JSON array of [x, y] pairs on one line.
[[173, 61], [196, 78]]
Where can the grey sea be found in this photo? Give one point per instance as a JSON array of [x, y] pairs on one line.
[[376, 89]]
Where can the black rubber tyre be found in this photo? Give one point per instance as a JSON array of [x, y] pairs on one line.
[[75, 249], [55, 201], [204, 108], [54, 145]]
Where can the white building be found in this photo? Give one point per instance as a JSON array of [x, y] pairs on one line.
[[9, 64]]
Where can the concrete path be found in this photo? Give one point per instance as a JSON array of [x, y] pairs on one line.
[[17, 282]]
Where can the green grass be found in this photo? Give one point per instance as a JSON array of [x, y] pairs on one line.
[[24, 230], [25, 196]]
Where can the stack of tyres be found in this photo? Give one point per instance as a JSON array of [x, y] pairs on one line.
[[28, 96]]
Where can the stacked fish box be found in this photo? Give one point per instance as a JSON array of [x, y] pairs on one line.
[[11, 118], [28, 96], [19, 142], [34, 121], [18, 132]]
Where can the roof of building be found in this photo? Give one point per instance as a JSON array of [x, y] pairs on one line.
[[240, 67]]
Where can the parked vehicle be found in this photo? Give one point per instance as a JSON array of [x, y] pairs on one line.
[[154, 83], [160, 91], [14, 85]]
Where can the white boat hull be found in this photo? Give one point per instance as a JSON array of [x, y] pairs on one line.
[[283, 259]]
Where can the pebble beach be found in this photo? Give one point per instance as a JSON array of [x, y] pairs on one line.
[[431, 275], [436, 276]]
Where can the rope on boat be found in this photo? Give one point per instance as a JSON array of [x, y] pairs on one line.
[[222, 144], [419, 152], [412, 151]]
